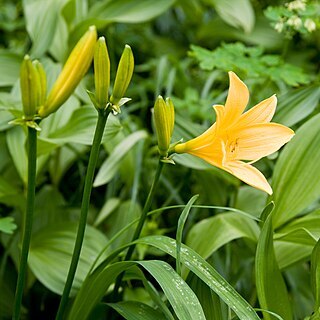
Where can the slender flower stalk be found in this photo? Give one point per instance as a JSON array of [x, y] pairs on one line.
[[102, 119], [141, 222], [28, 219], [238, 136]]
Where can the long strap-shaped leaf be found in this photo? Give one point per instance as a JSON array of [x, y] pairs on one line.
[[206, 273], [271, 289], [182, 299]]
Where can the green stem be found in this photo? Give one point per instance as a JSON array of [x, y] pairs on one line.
[[142, 220], [32, 165], [102, 119]]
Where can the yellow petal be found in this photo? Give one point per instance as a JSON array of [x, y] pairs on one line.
[[220, 112], [249, 175], [237, 100], [259, 140], [261, 113], [212, 152], [199, 142]]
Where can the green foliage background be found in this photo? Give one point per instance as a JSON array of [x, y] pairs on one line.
[[182, 49]]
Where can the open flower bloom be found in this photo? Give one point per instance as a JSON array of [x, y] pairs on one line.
[[240, 136]]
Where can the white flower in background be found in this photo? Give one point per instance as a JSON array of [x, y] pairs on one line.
[[296, 5], [310, 25], [279, 26], [295, 22]]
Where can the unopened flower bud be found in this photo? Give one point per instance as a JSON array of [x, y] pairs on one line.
[[101, 73], [42, 81], [164, 123], [30, 87], [73, 71], [123, 76]]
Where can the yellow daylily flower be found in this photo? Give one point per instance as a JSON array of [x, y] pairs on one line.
[[237, 136]]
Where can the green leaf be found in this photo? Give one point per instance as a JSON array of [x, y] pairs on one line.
[[109, 207], [132, 310], [80, 128], [9, 68], [124, 11], [16, 144], [271, 289], [301, 236], [51, 251], [181, 222], [289, 253], [209, 300], [110, 167], [315, 274], [296, 177], [237, 13], [7, 225], [181, 297], [195, 263], [296, 105], [126, 213], [295, 241], [129, 11], [208, 235], [250, 61], [41, 20]]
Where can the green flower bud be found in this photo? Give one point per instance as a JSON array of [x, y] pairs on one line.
[[43, 82], [123, 76], [73, 71], [101, 73], [30, 87], [164, 123]]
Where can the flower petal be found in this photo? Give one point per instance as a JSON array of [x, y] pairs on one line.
[[260, 140], [261, 113], [249, 175], [237, 100], [199, 142], [220, 112]]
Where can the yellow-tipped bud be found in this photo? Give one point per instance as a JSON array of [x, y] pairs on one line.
[[164, 123], [30, 87], [43, 82], [73, 71], [123, 76], [101, 73]]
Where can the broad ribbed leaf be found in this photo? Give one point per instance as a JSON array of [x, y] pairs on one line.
[[237, 13], [208, 235], [51, 250], [9, 68], [80, 128], [103, 13], [315, 274], [296, 105], [296, 177], [41, 20], [271, 289], [110, 167]]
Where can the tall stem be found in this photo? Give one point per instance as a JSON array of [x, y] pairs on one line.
[[102, 119], [145, 210], [142, 220], [32, 165]]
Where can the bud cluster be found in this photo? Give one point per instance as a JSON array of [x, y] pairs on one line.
[[124, 73]]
